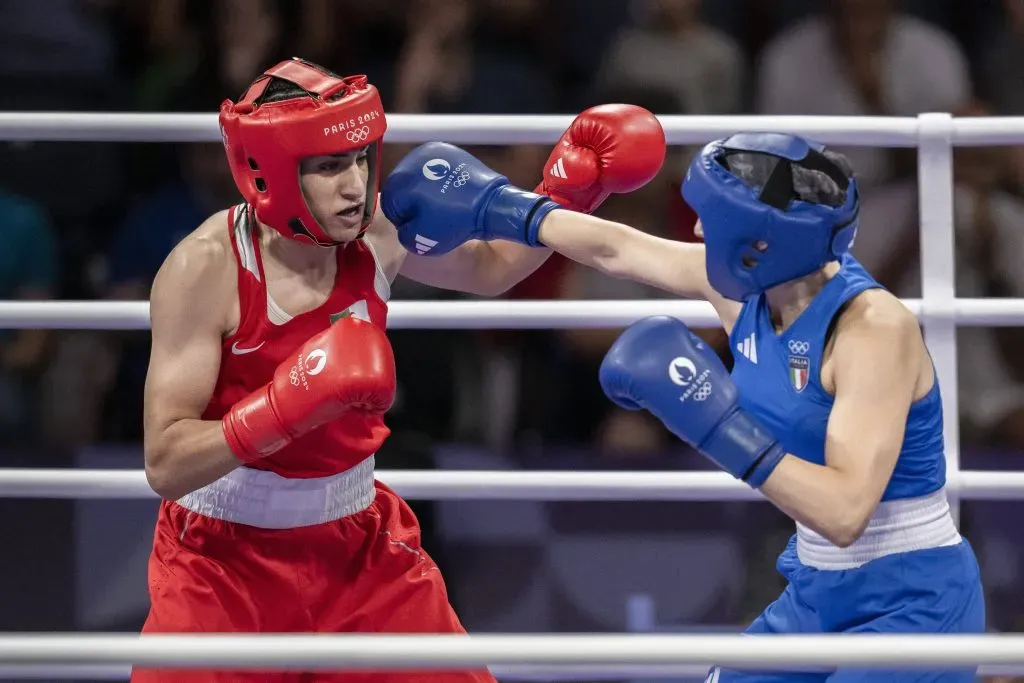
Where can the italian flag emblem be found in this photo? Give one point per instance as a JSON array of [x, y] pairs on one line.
[[799, 371]]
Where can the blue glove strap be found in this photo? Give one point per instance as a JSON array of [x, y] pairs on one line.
[[741, 446], [514, 214]]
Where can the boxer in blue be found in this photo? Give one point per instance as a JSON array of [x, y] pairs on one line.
[[832, 410]]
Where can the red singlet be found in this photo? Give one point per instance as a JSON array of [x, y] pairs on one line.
[[250, 356]]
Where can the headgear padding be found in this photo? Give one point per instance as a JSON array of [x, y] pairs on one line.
[[763, 232], [266, 140]]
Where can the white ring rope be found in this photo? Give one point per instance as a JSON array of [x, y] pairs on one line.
[[525, 673], [875, 131], [486, 314], [470, 129], [404, 652], [492, 485]]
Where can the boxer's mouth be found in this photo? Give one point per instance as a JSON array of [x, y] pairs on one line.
[[351, 211]]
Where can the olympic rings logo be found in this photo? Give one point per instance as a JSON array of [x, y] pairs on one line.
[[293, 376], [799, 347], [358, 135], [703, 393], [461, 180]]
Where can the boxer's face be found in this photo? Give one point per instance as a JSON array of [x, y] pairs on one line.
[[335, 191]]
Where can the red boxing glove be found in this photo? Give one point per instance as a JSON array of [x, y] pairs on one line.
[[610, 148], [348, 366]]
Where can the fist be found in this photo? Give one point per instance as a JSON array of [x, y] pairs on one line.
[[440, 196], [349, 366], [611, 148], [660, 365]]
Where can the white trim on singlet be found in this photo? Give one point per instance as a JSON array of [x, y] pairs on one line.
[[380, 280], [242, 234], [275, 313]]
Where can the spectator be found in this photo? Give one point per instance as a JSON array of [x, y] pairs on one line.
[[989, 224], [217, 50], [862, 58], [28, 271], [1002, 79], [59, 55], [671, 49], [465, 57], [1002, 63]]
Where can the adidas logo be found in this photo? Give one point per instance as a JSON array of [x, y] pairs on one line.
[[748, 348], [558, 170], [423, 245]]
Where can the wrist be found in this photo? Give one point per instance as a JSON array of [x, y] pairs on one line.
[[763, 467], [515, 215], [744, 448], [251, 428]]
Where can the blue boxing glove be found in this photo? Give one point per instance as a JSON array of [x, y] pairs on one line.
[[660, 365], [440, 196]]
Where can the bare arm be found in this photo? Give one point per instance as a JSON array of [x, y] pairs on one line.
[[865, 428], [490, 268], [476, 267], [625, 252], [188, 307]]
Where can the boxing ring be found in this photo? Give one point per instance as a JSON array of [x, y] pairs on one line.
[[542, 657]]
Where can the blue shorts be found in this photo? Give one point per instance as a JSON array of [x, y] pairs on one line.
[[926, 591]]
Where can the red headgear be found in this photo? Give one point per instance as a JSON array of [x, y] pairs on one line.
[[266, 140]]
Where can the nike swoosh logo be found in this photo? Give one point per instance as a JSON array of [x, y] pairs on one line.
[[241, 352]]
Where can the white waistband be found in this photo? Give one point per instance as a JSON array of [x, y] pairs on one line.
[[269, 501], [898, 526]]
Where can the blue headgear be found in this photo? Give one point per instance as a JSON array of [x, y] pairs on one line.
[[758, 237]]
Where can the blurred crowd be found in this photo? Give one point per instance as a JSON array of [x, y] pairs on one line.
[[95, 220]]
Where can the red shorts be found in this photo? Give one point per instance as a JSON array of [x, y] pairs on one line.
[[362, 573]]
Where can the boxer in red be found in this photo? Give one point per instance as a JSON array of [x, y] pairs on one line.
[[271, 372]]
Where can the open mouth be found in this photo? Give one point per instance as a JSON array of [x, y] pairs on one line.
[[352, 211]]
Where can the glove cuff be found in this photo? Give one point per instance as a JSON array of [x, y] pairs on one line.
[[515, 215], [744, 448], [251, 429], [765, 465]]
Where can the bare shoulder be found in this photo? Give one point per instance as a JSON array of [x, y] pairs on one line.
[[877, 313], [198, 276], [878, 337], [201, 258], [382, 236]]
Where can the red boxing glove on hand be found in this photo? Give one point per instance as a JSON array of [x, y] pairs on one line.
[[348, 366], [610, 148]]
